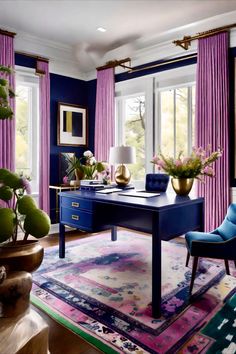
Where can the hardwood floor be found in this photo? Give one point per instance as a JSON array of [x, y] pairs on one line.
[[62, 340]]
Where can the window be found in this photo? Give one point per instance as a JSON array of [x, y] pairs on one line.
[[155, 113], [132, 131], [27, 127], [176, 116]]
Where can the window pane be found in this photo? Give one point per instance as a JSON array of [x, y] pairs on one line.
[[135, 133], [181, 120], [23, 155], [167, 122], [27, 124]]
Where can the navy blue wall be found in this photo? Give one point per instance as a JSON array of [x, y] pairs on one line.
[[67, 90], [127, 76], [91, 103]]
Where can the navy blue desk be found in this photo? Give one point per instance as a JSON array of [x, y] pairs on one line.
[[164, 216]]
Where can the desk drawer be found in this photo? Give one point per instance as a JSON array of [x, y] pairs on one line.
[[80, 219], [76, 204]]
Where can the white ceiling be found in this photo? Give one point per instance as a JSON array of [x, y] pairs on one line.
[[131, 24]]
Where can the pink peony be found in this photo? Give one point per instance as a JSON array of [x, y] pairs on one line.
[[161, 164], [155, 159], [178, 163], [26, 185], [65, 179], [208, 171]]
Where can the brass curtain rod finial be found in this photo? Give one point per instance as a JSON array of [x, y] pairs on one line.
[[115, 63], [39, 72], [7, 33], [186, 41]]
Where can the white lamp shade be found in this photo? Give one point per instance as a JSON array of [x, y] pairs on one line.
[[122, 154]]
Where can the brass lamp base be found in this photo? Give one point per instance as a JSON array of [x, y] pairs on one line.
[[122, 175]]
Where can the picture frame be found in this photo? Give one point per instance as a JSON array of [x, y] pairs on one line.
[[63, 165], [72, 125]]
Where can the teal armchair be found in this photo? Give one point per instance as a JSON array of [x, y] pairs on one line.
[[219, 244]]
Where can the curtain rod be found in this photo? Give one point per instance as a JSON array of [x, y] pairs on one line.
[[7, 33], [185, 43], [166, 62], [32, 56], [115, 63]]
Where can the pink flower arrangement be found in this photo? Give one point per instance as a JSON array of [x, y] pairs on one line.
[[198, 163], [65, 180]]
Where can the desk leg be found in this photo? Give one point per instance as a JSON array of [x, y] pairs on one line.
[[114, 233], [156, 266], [62, 241], [202, 227]]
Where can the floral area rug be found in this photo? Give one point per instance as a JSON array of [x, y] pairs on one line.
[[102, 291], [219, 334]]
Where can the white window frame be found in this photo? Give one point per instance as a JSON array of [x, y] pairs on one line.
[[133, 88], [150, 86], [189, 86], [27, 77]]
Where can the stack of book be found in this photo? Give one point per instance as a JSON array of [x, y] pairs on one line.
[[96, 185], [91, 185]]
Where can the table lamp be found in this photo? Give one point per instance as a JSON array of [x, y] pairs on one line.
[[122, 155]]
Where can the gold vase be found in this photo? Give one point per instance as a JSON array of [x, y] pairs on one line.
[[19, 259], [22, 256], [182, 186], [15, 294]]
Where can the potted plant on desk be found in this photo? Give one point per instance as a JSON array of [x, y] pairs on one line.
[[185, 169], [19, 212], [87, 167]]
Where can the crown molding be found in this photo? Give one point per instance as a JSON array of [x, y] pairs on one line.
[[62, 59], [160, 47]]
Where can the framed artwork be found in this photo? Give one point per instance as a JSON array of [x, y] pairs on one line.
[[63, 165], [72, 125]]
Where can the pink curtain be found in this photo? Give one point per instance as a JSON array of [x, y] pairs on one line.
[[212, 119], [44, 140], [105, 114], [7, 126]]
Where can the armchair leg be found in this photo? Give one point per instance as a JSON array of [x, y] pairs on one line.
[[227, 266], [187, 259], [195, 263]]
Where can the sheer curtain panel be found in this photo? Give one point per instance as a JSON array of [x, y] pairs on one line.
[[44, 138], [7, 126], [212, 119], [105, 114]]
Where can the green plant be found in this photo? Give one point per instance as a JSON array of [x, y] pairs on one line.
[[6, 93], [86, 166], [21, 211], [197, 164]]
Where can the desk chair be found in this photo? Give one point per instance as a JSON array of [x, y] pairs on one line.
[[220, 243], [156, 182]]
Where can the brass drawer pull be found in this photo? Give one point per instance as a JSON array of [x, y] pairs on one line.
[[74, 204], [75, 217]]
